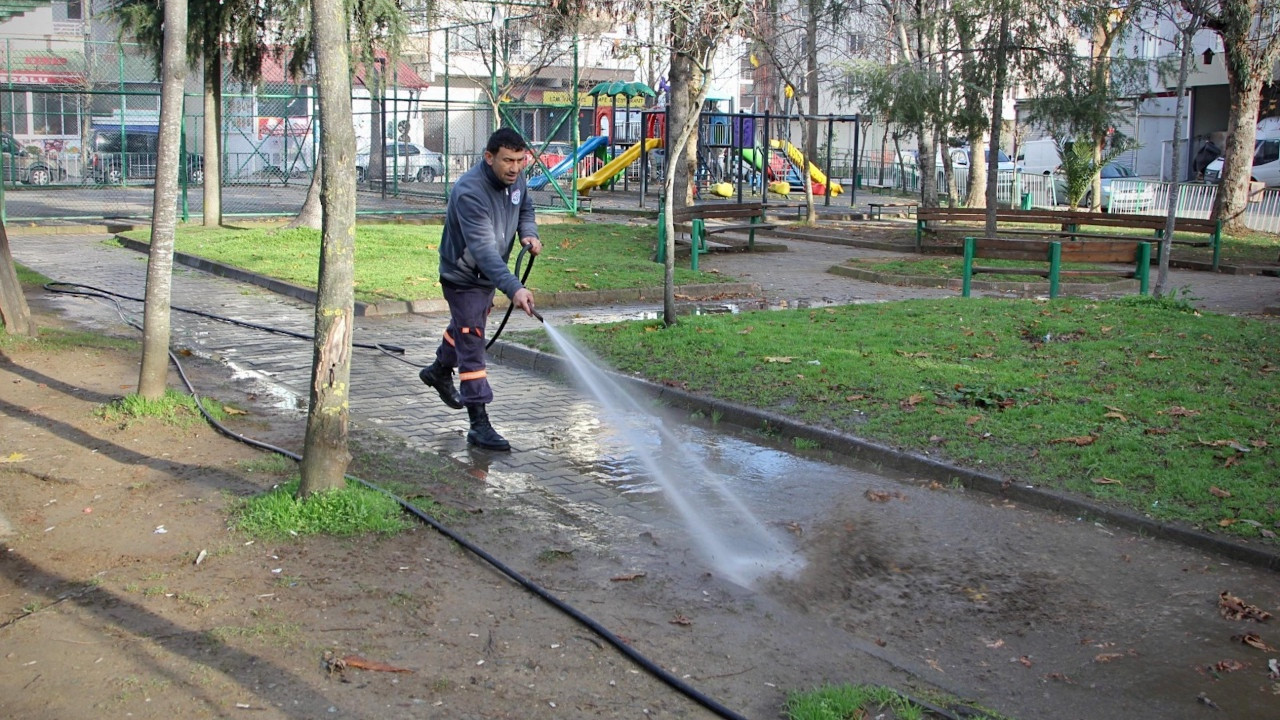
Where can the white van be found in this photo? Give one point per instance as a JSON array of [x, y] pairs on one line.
[[1266, 156], [1266, 163], [1039, 157]]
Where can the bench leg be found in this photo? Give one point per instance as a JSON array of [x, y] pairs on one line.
[[1055, 264], [969, 247], [1144, 267], [661, 255], [697, 240]]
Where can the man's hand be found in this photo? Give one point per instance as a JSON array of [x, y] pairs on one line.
[[533, 243], [523, 299]]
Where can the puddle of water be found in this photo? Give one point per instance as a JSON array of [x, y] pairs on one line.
[[722, 527]]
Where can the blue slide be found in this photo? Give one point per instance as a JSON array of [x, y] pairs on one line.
[[588, 146]]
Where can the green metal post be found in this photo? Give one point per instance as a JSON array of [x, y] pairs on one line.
[[1055, 265], [1144, 267], [970, 247], [697, 240], [576, 133], [447, 158], [183, 179]]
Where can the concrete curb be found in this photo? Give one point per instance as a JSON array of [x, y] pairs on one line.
[[915, 463], [703, 291]]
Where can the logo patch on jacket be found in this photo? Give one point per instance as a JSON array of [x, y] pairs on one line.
[[515, 197]]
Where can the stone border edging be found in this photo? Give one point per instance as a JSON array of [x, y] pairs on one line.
[[1023, 289], [701, 291], [853, 446]]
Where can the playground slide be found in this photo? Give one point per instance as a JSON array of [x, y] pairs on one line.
[[799, 159], [616, 165], [588, 146]]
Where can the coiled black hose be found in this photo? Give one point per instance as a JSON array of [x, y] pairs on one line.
[[511, 306], [603, 632]]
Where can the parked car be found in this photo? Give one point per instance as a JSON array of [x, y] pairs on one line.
[[24, 167], [960, 158], [408, 161], [131, 155], [1131, 197], [1266, 163]]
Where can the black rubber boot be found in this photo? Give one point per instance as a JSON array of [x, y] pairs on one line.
[[482, 433], [441, 378]]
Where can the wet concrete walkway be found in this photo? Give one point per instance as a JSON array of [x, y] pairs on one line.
[[1145, 597]]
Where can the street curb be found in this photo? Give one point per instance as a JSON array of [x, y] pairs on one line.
[[1022, 289], [701, 291], [915, 463]]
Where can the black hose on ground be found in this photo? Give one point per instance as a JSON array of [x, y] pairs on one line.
[[648, 665]]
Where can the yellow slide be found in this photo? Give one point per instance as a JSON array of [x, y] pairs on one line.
[[616, 165], [798, 158]]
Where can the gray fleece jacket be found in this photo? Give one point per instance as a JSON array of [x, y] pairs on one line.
[[480, 228]]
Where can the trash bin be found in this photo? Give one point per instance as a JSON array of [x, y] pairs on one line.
[[1026, 201]]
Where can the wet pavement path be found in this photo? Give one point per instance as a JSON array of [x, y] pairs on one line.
[[1034, 614]]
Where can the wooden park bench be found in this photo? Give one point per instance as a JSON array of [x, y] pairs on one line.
[[1055, 252], [1069, 225], [875, 210], [695, 218]]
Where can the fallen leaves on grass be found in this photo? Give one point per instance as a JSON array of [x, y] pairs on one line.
[[1080, 440], [780, 359], [1218, 492], [1233, 608], [1106, 481], [1178, 411], [911, 401], [1231, 443], [13, 457]]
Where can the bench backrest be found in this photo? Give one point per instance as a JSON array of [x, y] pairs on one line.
[[1068, 217], [1102, 251], [718, 211]]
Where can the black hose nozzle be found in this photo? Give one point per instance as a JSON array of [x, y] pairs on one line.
[[539, 316]]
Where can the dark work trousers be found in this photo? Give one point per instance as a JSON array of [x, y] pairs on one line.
[[463, 344]]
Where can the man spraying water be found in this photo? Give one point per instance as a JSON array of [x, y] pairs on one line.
[[488, 207]]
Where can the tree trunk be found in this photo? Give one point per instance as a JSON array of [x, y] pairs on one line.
[[678, 111], [325, 456], [154, 373], [997, 104], [1237, 156], [15, 315], [810, 134], [928, 160], [976, 186], [213, 140], [311, 215], [806, 140], [1179, 113]]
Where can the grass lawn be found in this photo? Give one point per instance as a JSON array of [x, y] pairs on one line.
[[401, 262], [1138, 402]]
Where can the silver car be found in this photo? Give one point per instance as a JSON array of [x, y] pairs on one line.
[[409, 162], [1131, 197]]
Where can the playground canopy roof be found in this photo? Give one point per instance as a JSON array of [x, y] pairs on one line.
[[617, 87]]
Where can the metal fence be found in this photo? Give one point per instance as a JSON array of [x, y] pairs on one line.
[[80, 140], [1195, 200]]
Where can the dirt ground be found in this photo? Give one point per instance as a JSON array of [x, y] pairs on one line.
[[104, 611]]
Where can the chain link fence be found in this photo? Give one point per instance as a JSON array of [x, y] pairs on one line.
[[80, 123]]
